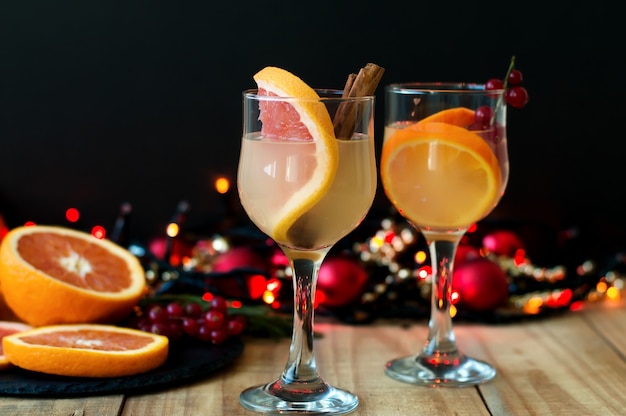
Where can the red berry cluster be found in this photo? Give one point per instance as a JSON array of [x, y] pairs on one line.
[[516, 95], [177, 320]]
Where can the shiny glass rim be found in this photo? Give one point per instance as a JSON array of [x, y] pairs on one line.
[[326, 95], [440, 87]]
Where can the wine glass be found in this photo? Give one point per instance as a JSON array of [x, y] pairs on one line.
[[275, 179], [444, 166]]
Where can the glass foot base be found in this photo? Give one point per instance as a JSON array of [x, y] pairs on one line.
[[269, 400], [416, 369]]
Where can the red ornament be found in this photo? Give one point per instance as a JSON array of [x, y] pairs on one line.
[[481, 284], [503, 243], [237, 258], [342, 281], [179, 249], [466, 252]]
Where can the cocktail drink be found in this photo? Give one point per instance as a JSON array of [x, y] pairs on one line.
[[444, 166], [306, 182], [340, 209]]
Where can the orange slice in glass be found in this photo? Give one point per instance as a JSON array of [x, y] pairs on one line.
[[440, 176]]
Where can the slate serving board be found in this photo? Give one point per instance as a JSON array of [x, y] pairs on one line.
[[185, 363]]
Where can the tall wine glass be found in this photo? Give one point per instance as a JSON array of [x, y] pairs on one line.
[[444, 166], [274, 182]]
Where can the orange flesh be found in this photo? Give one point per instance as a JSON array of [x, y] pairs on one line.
[[89, 340], [44, 251]]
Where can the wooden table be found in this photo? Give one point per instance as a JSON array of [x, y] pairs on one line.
[[571, 364]]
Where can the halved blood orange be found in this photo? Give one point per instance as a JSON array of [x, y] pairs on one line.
[[303, 118], [8, 328], [53, 275], [86, 350]]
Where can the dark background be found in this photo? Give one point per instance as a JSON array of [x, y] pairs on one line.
[[103, 103]]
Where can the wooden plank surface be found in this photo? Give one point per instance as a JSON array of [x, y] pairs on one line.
[[572, 364]]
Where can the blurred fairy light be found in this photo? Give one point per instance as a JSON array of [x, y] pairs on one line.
[[421, 257], [99, 232], [172, 230], [220, 244], [72, 214], [222, 185]]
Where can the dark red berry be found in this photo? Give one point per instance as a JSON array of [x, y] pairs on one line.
[[219, 303], [235, 324], [494, 84], [218, 336], [515, 77], [483, 116], [193, 310], [157, 314], [160, 329], [204, 333], [190, 326], [213, 319], [174, 309], [517, 96]]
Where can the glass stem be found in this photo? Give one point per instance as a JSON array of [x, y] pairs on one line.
[[300, 373], [441, 346]]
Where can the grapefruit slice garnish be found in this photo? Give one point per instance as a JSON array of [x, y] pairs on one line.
[[53, 275], [86, 350], [305, 118], [9, 328], [440, 176]]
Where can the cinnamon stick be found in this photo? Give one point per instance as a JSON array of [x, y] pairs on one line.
[[357, 85]]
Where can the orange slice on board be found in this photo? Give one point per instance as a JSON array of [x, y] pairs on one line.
[[300, 120], [8, 328], [440, 176], [53, 275], [86, 350]]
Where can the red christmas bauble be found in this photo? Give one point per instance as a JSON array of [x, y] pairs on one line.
[[342, 281], [466, 252], [481, 284], [503, 243], [179, 249], [238, 257]]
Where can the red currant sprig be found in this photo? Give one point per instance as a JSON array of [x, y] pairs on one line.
[[209, 322], [516, 95]]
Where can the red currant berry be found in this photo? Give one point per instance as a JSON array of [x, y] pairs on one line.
[[517, 96], [193, 310], [494, 84], [218, 336], [483, 116], [157, 314], [190, 326], [213, 319], [174, 309], [159, 329], [204, 333], [235, 324], [515, 77], [218, 303]]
